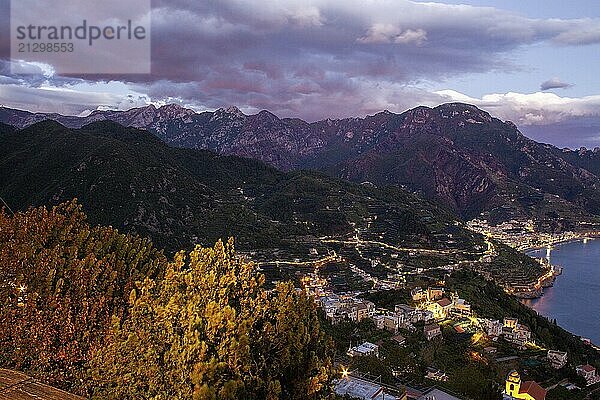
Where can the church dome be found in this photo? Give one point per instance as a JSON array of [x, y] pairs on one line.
[[514, 376]]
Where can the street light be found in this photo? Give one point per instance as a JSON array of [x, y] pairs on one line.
[[345, 372]]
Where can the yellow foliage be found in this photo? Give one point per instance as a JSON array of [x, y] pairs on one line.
[[209, 330]]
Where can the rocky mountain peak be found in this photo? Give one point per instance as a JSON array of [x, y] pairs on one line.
[[267, 116], [454, 153], [174, 111], [464, 112], [174, 108], [230, 113]]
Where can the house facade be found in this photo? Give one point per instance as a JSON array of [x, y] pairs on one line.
[[432, 331], [557, 359], [588, 372]]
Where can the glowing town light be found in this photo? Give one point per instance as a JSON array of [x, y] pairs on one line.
[[345, 372]]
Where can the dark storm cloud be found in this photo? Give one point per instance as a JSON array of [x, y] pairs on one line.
[[287, 55], [4, 29], [322, 58]]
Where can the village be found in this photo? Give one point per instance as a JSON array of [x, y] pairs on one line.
[[431, 316], [523, 235]]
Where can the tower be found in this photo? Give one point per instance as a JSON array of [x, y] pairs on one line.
[[454, 298], [513, 384]]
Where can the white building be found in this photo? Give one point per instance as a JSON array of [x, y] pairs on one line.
[[436, 374], [365, 349], [362, 389], [460, 306], [557, 359], [493, 328], [520, 335], [432, 331], [588, 372], [391, 323], [412, 315]]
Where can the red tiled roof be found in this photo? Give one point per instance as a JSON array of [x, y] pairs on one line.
[[399, 338], [533, 389], [444, 302], [588, 368], [18, 386]]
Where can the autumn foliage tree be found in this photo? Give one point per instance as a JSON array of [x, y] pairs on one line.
[[210, 330], [61, 280], [105, 315]]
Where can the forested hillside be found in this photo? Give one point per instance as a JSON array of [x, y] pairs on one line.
[[106, 315]]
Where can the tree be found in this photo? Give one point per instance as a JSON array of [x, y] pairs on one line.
[[61, 280], [209, 330], [561, 393]]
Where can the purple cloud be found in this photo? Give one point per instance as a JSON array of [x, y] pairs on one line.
[[318, 58]]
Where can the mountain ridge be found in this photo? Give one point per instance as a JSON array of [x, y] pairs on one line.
[[454, 153], [131, 180]]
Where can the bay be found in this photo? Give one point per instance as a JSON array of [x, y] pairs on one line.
[[574, 299]]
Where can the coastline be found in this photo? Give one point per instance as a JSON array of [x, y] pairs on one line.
[[593, 236], [556, 270], [527, 300]]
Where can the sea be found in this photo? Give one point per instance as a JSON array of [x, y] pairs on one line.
[[574, 300]]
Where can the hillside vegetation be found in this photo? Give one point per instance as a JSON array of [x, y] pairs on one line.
[[107, 316]]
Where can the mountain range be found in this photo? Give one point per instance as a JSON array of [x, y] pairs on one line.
[[129, 179], [455, 154]]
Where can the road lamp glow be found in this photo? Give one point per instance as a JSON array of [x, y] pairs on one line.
[[345, 372]]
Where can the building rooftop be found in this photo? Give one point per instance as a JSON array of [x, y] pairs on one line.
[[399, 338], [557, 352], [18, 386], [404, 307], [431, 327], [444, 302], [533, 389], [437, 394], [366, 347], [361, 389], [587, 368]]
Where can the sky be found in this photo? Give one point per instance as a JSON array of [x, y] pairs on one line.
[[532, 62]]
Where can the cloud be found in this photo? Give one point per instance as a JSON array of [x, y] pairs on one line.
[[554, 83], [572, 133], [42, 91], [289, 55], [192, 41], [539, 108], [313, 58], [306, 17], [387, 33], [544, 116], [417, 37], [581, 32]]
